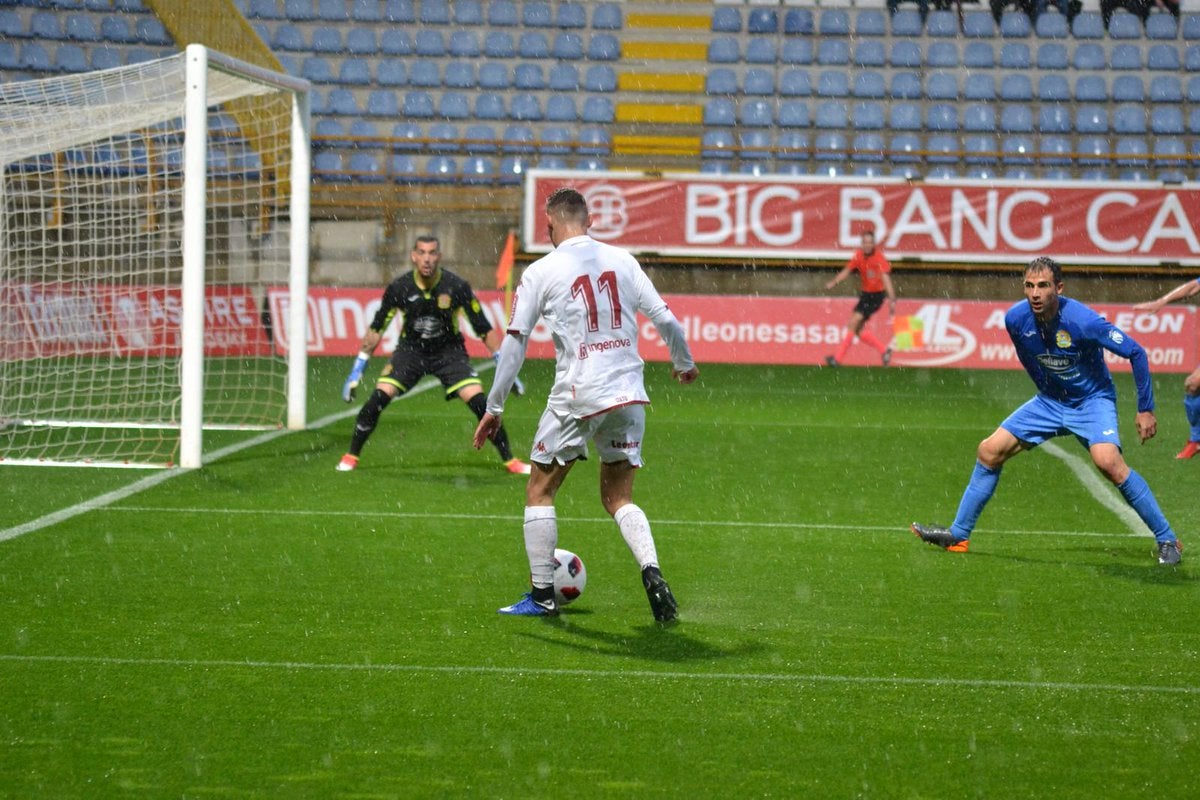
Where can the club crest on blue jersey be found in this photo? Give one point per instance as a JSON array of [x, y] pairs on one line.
[[1062, 339], [1116, 336]]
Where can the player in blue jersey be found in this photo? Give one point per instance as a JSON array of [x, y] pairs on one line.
[[1191, 384], [1061, 344]]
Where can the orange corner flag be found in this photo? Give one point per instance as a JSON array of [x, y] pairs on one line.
[[507, 257]]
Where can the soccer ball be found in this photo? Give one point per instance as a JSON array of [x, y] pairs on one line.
[[570, 576]]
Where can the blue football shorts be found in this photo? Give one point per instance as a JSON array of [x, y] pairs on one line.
[[1094, 421]]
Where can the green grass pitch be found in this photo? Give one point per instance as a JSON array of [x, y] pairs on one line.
[[268, 627]]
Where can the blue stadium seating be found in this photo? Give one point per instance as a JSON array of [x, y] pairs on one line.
[[793, 114], [1014, 24], [941, 23], [607, 17], [362, 42], [907, 23], [465, 44], [1053, 56], [870, 53], [1054, 118], [869, 84], [941, 86], [1124, 25], [906, 86], [1053, 88], [799, 22], [833, 83], [760, 50], [1128, 88], [759, 81], [796, 51], [1091, 88], [600, 78], [980, 86], [794, 83], [834, 22], [395, 42], [942, 54], [458, 74], [1052, 25], [537, 14], [979, 55], [1166, 89], [978, 25], [564, 78], [979, 118], [905, 117], [727, 19], [906, 53], [870, 22], [868, 116], [391, 72]]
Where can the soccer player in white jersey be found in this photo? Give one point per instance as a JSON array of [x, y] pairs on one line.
[[589, 295]]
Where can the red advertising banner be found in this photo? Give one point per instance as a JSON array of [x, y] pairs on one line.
[[62, 319], [782, 330], [947, 220]]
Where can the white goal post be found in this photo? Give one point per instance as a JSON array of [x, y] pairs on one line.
[[153, 260]]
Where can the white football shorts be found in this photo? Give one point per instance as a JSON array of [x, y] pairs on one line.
[[617, 435]]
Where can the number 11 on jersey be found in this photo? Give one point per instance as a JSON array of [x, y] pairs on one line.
[[607, 283]]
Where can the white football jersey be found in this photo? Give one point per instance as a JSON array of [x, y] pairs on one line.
[[589, 294]]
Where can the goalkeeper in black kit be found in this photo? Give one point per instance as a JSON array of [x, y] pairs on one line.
[[430, 299]]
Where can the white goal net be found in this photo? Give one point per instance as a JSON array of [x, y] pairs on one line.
[[153, 237]]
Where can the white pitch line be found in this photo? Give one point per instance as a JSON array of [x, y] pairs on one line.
[[622, 674], [516, 518], [1104, 492], [104, 500]]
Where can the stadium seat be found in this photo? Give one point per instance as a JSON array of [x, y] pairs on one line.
[[870, 22], [1014, 25], [1088, 57], [529, 76], [607, 17], [1191, 58], [831, 114], [979, 86], [978, 24], [1128, 89], [150, 31], [793, 145], [561, 108], [499, 44], [600, 78], [867, 116], [1161, 26], [332, 11], [1132, 151], [465, 44], [363, 42], [1129, 118], [364, 133], [868, 147], [1126, 56], [1088, 25], [570, 16], [1054, 118], [327, 165], [1017, 150], [833, 22], [1194, 121], [1016, 87], [101, 58], [454, 105], [567, 46], [869, 84], [796, 51], [537, 14], [717, 144], [344, 103], [429, 43], [1052, 26], [719, 111], [555, 140], [941, 86], [1091, 89], [941, 117], [1167, 120], [317, 69], [1169, 159], [942, 54], [503, 14], [756, 113], [942, 148], [833, 52], [1163, 57], [478, 169], [907, 23], [980, 148], [1053, 88], [517, 139], [395, 42], [1015, 55], [327, 131], [533, 45], [598, 109], [1090, 118], [458, 74], [904, 117], [603, 47], [726, 19], [870, 53], [117, 29], [762, 20], [905, 148], [1166, 89], [593, 141], [979, 55], [906, 86], [417, 104], [440, 169], [526, 107], [434, 12], [1053, 56], [1124, 25], [299, 10], [326, 40], [1016, 118], [564, 78], [833, 83], [798, 22], [793, 114], [262, 9], [82, 28], [425, 74], [941, 23], [1055, 151], [391, 72], [754, 144], [979, 118], [794, 83], [70, 58], [905, 53], [46, 25], [759, 81], [829, 146]]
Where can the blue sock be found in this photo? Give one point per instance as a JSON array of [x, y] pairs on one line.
[[1191, 402], [1137, 493], [979, 490]]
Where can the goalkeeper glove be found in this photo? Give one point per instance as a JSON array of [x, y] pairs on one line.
[[356, 373], [517, 387]]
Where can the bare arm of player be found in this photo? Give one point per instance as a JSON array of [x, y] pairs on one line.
[[1178, 293], [686, 376], [836, 279], [489, 423], [1147, 425], [890, 289]]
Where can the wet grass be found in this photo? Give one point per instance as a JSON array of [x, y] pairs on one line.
[[266, 627]]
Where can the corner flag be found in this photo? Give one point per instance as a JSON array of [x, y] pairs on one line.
[[507, 258]]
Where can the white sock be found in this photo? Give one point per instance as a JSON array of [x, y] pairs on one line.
[[541, 536], [636, 530]]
